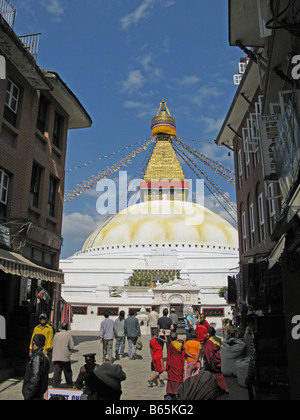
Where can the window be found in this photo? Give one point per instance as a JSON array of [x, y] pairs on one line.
[[272, 207], [4, 184], [112, 311], [214, 312], [52, 196], [37, 255], [11, 102], [42, 115], [35, 185], [79, 310], [252, 226], [261, 218], [247, 157], [244, 233], [57, 130], [240, 168]]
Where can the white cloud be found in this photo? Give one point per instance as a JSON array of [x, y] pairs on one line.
[[204, 93], [54, 7], [134, 81], [142, 109], [212, 204], [189, 80], [212, 125], [142, 12], [78, 227]]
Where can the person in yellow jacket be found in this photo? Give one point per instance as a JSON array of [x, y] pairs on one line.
[[45, 329]]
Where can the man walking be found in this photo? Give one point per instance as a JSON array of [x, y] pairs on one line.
[[107, 334], [165, 323], [46, 330], [152, 320], [174, 318], [61, 357], [120, 342], [132, 331]]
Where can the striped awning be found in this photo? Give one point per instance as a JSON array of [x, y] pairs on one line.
[[17, 265], [277, 252]]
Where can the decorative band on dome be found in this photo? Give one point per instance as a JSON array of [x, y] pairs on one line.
[[164, 128]]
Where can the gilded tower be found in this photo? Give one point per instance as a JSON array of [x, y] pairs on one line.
[[164, 177]]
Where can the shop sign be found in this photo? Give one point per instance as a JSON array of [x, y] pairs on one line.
[[68, 394], [296, 68], [5, 237], [296, 329], [287, 151], [269, 126], [2, 328]]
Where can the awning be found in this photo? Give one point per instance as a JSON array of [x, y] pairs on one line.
[[16, 264], [277, 252]]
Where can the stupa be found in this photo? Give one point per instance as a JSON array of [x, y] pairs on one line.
[[163, 252]]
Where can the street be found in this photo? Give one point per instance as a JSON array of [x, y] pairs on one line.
[[138, 372]]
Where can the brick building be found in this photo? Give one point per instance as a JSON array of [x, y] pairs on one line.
[[262, 128], [36, 111]]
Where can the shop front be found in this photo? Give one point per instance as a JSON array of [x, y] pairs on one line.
[[26, 290]]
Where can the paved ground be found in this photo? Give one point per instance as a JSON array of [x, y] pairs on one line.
[[138, 372]]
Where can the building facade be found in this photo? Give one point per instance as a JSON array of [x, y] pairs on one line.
[[36, 111], [262, 127]]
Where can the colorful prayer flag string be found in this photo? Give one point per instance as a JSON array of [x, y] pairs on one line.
[[212, 187], [83, 165], [212, 164], [93, 180]]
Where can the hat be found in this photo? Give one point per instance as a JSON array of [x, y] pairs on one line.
[[173, 310], [40, 340], [111, 375], [43, 316], [91, 355]]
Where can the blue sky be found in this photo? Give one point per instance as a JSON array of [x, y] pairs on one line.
[[120, 58]]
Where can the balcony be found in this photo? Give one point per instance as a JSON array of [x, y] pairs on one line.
[[31, 43]]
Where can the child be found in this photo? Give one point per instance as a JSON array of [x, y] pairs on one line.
[[157, 356], [192, 352]]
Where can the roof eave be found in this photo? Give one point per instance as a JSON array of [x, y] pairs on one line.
[[78, 116], [247, 88]]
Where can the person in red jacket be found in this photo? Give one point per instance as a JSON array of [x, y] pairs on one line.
[[202, 333], [157, 356]]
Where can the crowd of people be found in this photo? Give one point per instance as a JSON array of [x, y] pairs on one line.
[[192, 361]]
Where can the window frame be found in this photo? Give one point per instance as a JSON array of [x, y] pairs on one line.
[[57, 130], [244, 233], [34, 196], [4, 189], [252, 226], [240, 168], [12, 97], [261, 218], [11, 112], [52, 196], [272, 207], [42, 109]]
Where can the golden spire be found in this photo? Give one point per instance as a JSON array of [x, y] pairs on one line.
[[163, 163], [164, 177], [163, 123]]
